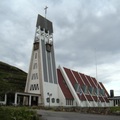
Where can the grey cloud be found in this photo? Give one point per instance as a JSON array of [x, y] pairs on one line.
[[90, 34], [15, 35], [79, 31]]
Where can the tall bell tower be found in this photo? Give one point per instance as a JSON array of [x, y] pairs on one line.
[[42, 75]]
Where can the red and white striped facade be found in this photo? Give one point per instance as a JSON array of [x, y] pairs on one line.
[[78, 89]]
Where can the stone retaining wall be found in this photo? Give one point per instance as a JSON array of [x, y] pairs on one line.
[[91, 110]]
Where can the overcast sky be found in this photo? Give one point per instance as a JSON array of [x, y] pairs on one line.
[[86, 35]]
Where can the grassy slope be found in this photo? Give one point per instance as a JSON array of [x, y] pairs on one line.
[[11, 78]]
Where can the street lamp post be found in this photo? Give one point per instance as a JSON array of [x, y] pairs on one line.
[[49, 94]]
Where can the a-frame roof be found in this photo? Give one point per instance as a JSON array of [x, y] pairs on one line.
[[83, 80]]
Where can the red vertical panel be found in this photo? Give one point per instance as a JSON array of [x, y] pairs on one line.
[[89, 98], [95, 98], [82, 97], [64, 86], [84, 79], [101, 99], [90, 80], [95, 82], [70, 76], [78, 78], [106, 99]]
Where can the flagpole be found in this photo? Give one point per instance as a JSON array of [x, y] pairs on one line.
[[97, 78]]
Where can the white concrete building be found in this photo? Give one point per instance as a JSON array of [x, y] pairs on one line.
[[62, 86]]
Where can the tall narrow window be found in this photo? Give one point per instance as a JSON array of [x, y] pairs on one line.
[[57, 100], [67, 101], [35, 66], [35, 55], [34, 76], [72, 102], [34, 87]]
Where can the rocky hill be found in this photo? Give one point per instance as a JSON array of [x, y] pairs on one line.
[[11, 78]]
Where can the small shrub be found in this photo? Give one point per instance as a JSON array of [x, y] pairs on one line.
[[17, 113]]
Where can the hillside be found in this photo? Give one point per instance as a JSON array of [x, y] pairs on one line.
[[11, 78]]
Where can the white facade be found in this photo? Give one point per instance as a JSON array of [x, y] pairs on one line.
[[42, 76]]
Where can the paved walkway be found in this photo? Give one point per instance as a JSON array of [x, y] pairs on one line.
[[52, 115]]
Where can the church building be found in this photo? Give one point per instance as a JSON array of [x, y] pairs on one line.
[[51, 86]]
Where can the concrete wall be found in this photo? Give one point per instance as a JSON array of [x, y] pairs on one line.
[[62, 97], [51, 89]]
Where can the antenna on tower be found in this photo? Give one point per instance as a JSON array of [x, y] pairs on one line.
[[96, 63], [97, 77]]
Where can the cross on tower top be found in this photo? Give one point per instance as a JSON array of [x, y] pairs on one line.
[[45, 11]]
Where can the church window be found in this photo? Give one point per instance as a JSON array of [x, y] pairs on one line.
[[34, 87], [48, 100], [69, 102], [35, 55], [34, 76], [57, 100], [66, 102], [35, 66], [53, 100], [84, 88], [102, 92], [94, 91], [97, 91]]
